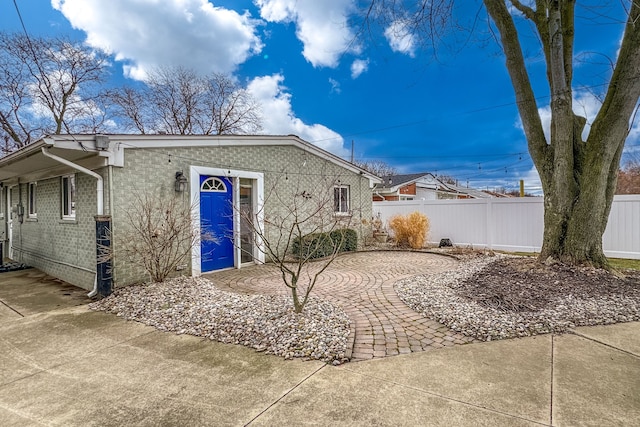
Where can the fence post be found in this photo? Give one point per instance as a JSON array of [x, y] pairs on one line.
[[490, 223]]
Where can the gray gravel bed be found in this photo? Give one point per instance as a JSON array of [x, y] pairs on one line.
[[442, 297], [194, 306]]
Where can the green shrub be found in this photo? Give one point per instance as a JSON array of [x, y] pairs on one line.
[[348, 237], [410, 230], [320, 245], [316, 245]]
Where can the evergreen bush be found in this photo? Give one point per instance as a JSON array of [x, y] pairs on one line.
[[320, 245]]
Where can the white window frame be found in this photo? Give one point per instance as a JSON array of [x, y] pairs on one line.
[[337, 204], [68, 196], [32, 200], [2, 202], [218, 186]]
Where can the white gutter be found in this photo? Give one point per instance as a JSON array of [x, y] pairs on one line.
[[99, 201], [379, 195]]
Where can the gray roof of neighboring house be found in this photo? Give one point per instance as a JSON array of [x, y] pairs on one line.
[[400, 180], [478, 194], [391, 182]]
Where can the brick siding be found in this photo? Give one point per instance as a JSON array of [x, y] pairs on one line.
[[62, 248], [287, 168]]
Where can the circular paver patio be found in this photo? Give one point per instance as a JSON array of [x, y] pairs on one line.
[[362, 284]]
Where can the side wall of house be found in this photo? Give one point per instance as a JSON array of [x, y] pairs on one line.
[[426, 194], [409, 189], [65, 249], [288, 170]]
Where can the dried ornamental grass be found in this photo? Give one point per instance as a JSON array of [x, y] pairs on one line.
[[410, 230]]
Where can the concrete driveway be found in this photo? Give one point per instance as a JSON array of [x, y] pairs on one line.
[[64, 365]]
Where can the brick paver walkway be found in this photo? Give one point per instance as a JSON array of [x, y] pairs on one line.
[[362, 284]]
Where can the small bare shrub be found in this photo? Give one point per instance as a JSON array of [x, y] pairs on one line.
[[159, 236], [410, 230]]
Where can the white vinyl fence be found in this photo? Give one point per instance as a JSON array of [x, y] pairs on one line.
[[513, 224]]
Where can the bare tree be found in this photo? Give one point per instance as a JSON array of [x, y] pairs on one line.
[[578, 174], [230, 108], [447, 179], [629, 177], [301, 233], [377, 167], [159, 236], [132, 110], [48, 86], [179, 101]]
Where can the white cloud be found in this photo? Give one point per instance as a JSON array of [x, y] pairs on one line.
[[335, 85], [358, 67], [148, 33], [279, 118], [322, 26], [400, 39]]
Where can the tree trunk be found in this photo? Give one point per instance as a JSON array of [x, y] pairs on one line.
[[573, 227], [578, 177], [297, 305]]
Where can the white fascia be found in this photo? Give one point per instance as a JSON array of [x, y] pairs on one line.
[[178, 141]]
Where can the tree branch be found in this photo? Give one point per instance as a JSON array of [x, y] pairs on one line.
[[525, 98]]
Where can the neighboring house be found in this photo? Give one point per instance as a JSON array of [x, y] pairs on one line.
[[63, 194], [452, 191], [421, 186]]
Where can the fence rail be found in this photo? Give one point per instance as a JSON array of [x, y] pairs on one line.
[[513, 224]]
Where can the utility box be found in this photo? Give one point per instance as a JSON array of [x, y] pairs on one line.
[[102, 142]]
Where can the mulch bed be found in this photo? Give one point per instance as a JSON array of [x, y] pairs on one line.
[[522, 284]]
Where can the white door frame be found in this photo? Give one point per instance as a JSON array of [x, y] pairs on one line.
[[9, 217], [194, 186]]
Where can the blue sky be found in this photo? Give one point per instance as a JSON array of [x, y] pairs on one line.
[[314, 77]]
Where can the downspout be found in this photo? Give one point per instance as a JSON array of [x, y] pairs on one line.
[[100, 183], [99, 195]]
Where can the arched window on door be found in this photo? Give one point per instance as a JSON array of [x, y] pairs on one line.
[[213, 185]]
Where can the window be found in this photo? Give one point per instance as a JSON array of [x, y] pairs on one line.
[[2, 200], [246, 220], [32, 192], [341, 199], [213, 185], [68, 197]]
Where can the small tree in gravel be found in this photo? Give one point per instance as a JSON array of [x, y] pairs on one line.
[[160, 236], [302, 232]]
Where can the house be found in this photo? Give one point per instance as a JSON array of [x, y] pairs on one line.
[[454, 191], [421, 186], [65, 197]]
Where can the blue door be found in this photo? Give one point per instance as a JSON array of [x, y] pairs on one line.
[[216, 223]]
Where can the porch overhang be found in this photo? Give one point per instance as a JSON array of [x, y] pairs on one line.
[[30, 164]]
